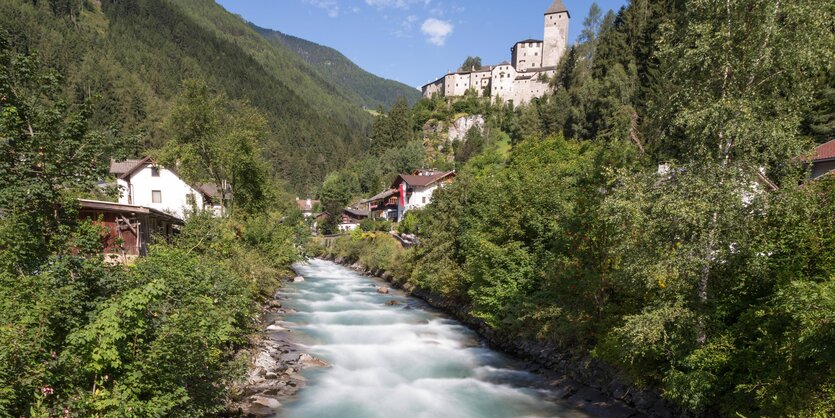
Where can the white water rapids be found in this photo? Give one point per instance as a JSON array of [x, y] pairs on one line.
[[399, 361]]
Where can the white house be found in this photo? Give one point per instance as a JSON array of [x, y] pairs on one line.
[[145, 183], [416, 189]]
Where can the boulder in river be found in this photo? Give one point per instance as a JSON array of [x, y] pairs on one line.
[[392, 303], [309, 361], [383, 290], [298, 279]]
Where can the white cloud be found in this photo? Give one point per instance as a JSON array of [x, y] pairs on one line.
[[329, 6], [437, 30]]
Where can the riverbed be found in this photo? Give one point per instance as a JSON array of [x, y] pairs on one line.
[[392, 356]]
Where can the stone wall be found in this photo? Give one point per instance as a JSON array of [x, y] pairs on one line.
[[556, 38]]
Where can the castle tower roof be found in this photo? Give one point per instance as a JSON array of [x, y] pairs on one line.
[[557, 7]]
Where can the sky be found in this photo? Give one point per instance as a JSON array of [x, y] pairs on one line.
[[412, 41]]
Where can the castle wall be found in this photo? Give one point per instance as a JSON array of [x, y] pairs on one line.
[[530, 86], [503, 77], [527, 55], [434, 88], [556, 38], [480, 80], [462, 84]]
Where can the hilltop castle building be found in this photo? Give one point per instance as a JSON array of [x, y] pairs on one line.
[[525, 78]]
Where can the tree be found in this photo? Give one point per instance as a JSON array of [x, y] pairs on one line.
[[215, 140], [392, 129], [47, 155], [471, 63]]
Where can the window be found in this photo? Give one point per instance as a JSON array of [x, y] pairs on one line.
[[424, 200], [156, 196], [154, 171]]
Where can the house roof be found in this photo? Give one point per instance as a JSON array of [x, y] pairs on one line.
[[97, 205], [381, 196], [825, 152], [356, 213], [557, 7], [306, 205], [124, 169], [120, 168], [421, 181], [529, 41]]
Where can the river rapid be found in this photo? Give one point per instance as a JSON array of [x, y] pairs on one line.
[[391, 356]]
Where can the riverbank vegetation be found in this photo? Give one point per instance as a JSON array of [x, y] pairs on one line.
[[165, 336], [655, 208]]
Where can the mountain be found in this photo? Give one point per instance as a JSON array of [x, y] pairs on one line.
[[365, 88], [131, 57]]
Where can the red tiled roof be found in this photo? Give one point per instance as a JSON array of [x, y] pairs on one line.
[[825, 151]]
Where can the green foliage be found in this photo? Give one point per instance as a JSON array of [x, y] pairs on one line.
[[392, 129], [79, 337], [411, 222], [215, 141], [471, 63], [375, 225]]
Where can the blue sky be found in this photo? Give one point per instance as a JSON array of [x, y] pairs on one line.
[[412, 41]]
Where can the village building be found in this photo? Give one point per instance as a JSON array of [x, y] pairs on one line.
[[415, 190], [533, 63], [308, 207], [824, 160], [129, 228], [146, 183], [383, 205]]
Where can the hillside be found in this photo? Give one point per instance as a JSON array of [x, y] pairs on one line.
[[363, 87], [131, 57]]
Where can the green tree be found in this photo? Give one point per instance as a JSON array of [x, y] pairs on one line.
[[47, 155], [471, 63], [217, 141]]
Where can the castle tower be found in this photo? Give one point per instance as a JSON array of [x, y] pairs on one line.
[[556, 34]]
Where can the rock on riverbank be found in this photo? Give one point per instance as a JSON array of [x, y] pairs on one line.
[[274, 375]]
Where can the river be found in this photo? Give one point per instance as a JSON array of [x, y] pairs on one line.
[[391, 356]]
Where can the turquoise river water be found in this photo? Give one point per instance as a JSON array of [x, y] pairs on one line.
[[399, 359]]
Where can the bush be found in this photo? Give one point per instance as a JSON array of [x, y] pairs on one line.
[[375, 225]]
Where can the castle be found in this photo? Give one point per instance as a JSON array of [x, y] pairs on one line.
[[526, 78]]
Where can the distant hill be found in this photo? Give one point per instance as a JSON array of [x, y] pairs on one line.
[[132, 56], [365, 88]]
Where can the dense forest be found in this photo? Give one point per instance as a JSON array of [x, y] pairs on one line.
[[654, 210], [131, 57], [361, 86]]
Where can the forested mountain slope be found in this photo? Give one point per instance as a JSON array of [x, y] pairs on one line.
[[363, 87], [131, 58]]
